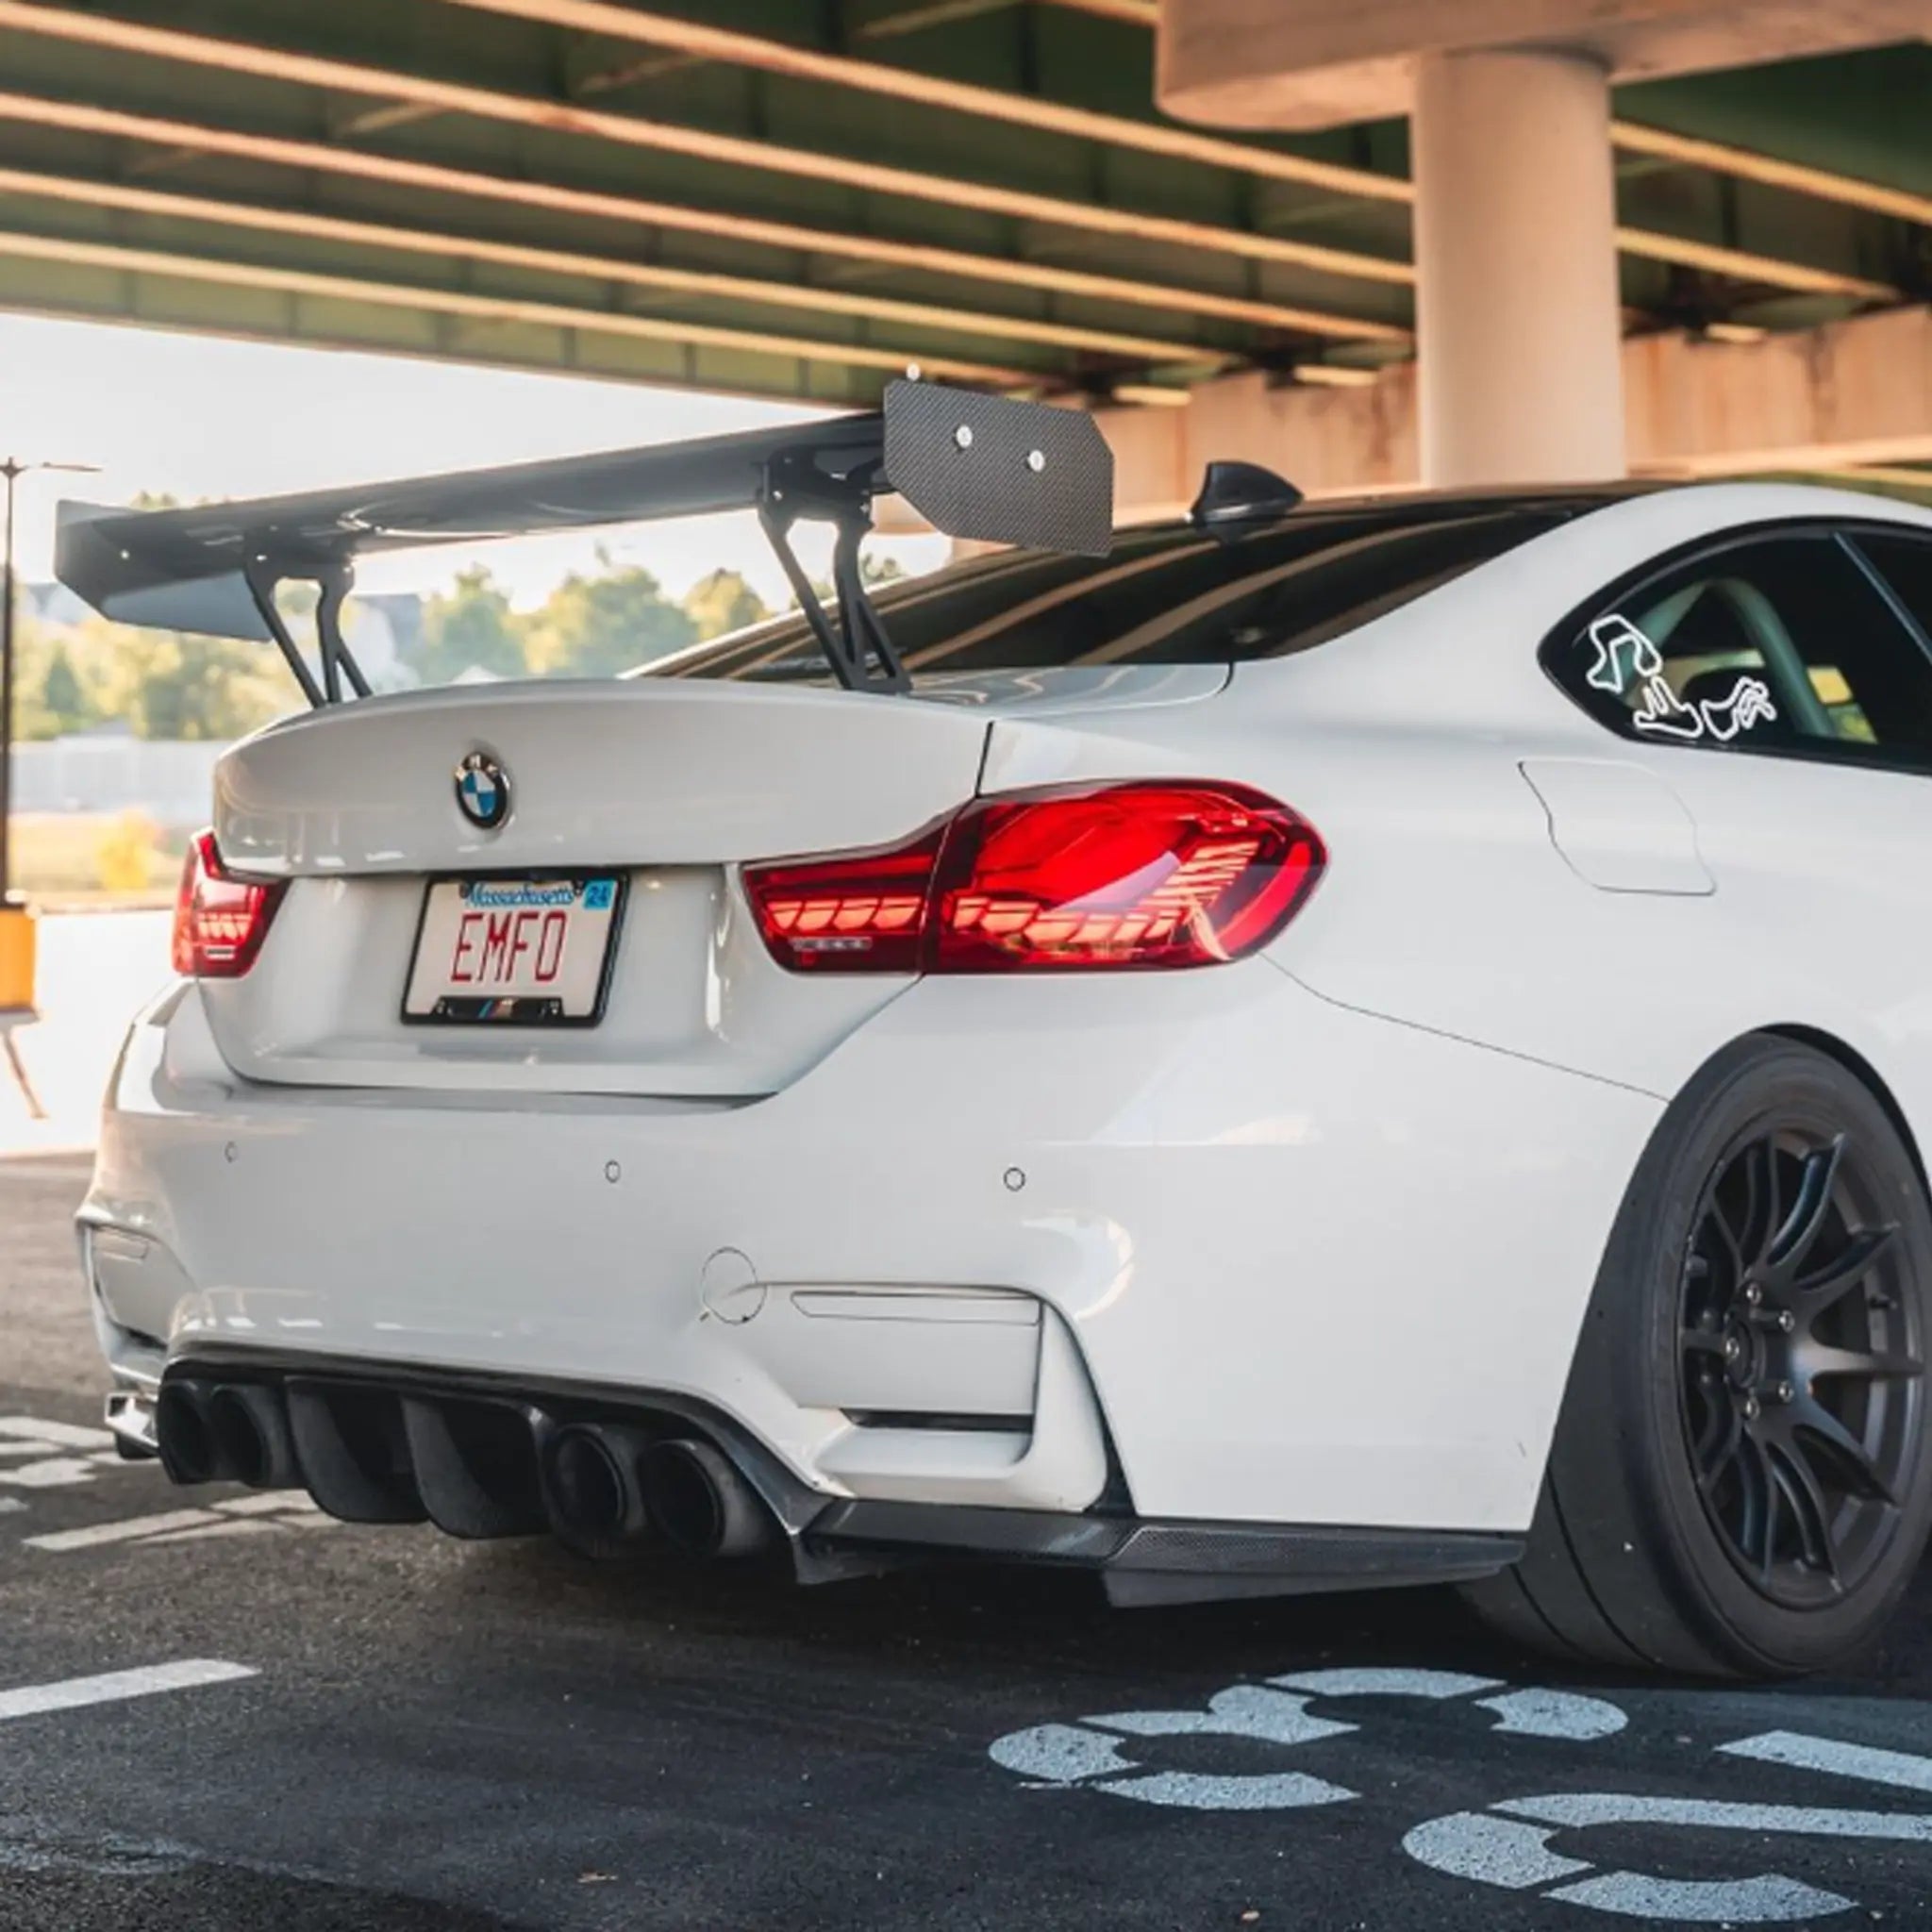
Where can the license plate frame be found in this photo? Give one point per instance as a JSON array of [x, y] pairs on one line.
[[578, 877]]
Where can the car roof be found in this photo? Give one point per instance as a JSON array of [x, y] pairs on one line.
[[1651, 514], [1562, 498]]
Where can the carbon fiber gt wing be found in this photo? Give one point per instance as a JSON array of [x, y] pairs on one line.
[[975, 466]]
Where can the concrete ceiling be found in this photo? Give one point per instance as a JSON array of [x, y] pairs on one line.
[[794, 200]]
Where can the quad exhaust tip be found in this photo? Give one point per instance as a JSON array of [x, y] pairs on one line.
[[590, 1487], [250, 1428], [700, 1501], [182, 1433], [607, 1486], [226, 1432], [606, 1489]]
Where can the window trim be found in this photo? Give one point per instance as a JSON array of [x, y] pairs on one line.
[[1841, 531], [1883, 584]]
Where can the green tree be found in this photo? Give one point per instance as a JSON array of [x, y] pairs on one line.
[[104, 658], [32, 654], [61, 697], [179, 686], [597, 627], [722, 602], [470, 627]]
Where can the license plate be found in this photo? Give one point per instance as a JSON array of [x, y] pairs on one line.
[[501, 952]]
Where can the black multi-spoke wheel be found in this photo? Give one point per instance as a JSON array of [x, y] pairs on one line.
[[1742, 1474], [1801, 1372]]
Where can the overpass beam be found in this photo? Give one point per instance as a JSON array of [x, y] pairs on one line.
[[1517, 304], [1517, 307], [1843, 398]]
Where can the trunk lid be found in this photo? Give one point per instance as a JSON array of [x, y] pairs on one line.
[[601, 773], [672, 785]]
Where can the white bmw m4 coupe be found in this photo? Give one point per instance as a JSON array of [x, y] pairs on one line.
[[1331, 1045]]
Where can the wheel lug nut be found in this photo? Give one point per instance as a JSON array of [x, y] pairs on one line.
[[1785, 1391], [1750, 1408], [1786, 1321], [1752, 1294], [1730, 1348]]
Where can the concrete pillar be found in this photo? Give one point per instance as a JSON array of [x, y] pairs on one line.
[[1517, 307]]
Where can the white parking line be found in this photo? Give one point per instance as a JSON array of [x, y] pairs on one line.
[[1836, 1758], [1577, 1809], [231, 1525], [72, 1693], [271, 1509], [271, 1502], [124, 1531], [50, 1473], [66, 1435], [1508, 1846], [37, 1454]]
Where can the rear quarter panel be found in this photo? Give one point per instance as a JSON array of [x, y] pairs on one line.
[[1446, 904]]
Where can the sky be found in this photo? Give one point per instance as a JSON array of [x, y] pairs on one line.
[[199, 416]]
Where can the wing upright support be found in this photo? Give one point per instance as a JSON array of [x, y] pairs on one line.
[[979, 467]]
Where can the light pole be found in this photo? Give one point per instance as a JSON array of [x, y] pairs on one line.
[[16, 924]]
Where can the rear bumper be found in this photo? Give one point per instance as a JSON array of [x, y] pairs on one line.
[[1257, 1258], [1141, 1561]]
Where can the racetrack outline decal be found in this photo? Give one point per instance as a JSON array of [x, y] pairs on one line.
[[1625, 656]]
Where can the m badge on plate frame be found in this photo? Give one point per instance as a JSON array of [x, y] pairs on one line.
[[515, 952]]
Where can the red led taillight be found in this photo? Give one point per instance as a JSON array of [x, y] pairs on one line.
[[1145, 875], [220, 919], [861, 912]]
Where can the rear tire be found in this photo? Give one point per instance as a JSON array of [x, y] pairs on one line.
[[1741, 1482]]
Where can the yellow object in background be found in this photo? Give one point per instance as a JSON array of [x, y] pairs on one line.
[[16, 960], [126, 853]]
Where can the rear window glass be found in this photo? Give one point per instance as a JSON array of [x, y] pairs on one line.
[[1906, 563], [1163, 596]]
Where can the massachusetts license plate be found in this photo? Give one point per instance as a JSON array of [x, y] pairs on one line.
[[503, 952]]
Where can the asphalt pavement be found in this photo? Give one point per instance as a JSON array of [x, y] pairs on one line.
[[220, 1710]]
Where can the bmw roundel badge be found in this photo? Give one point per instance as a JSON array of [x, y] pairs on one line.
[[483, 790]]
